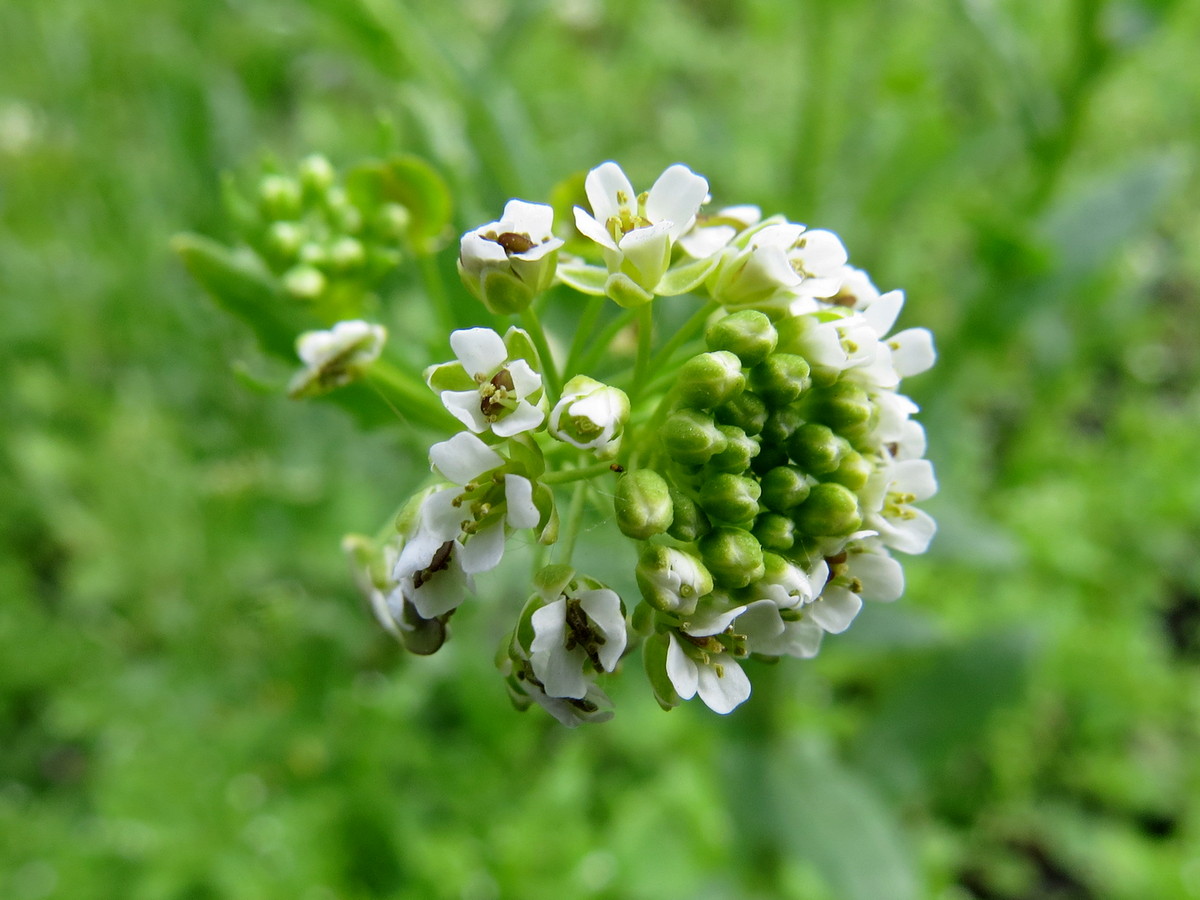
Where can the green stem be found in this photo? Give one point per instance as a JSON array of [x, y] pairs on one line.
[[605, 338], [435, 287], [645, 320], [565, 476], [587, 324], [553, 381], [574, 521], [683, 335]]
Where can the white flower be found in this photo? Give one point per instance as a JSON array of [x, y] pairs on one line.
[[335, 357], [578, 628], [590, 415], [886, 501], [637, 231], [715, 676], [672, 581], [505, 263], [781, 622], [505, 391]]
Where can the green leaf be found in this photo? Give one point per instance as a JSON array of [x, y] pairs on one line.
[[414, 184], [241, 286]]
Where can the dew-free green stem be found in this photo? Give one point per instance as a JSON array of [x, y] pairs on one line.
[[689, 330], [409, 395], [574, 521], [645, 320], [587, 324], [435, 287], [601, 346], [553, 380], [565, 476]]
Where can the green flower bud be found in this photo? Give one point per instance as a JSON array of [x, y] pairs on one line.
[[672, 581], [782, 424], [316, 174], [842, 406], [393, 220], [781, 378], [775, 532], [689, 521], [421, 636], [304, 282], [709, 379], [733, 556], [816, 448], [784, 488], [748, 333], [853, 471], [730, 498], [738, 452], [691, 437], [284, 239], [830, 510], [643, 504], [347, 254], [279, 197], [747, 411]]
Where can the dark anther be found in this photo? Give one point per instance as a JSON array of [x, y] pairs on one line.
[[514, 243], [500, 381], [441, 559]]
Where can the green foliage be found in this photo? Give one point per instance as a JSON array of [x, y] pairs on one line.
[[193, 702]]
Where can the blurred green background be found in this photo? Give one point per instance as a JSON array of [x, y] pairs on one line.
[[195, 702]]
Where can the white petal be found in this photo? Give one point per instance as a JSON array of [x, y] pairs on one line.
[[835, 609], [912, 351], [710, 621], [593, 230], [915, 476], [701, 243], [801, 639], [603, 607], [823, 253], [602, 186], [725, 692], [483, 550], [910, 535], [477, 252], [882, 312], [524, 418], [533, 219], [681, 670], [676, 197], [559, 670], [442, 591], [464, 406], [518, 494], [525, 380], [649, 251], [480, 350], [761, 624], [882, 577], [464, 457], [601, 407]]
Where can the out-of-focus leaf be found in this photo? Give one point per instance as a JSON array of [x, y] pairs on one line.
[[800, 802], [241, 287], [414, 184], [940, 705]]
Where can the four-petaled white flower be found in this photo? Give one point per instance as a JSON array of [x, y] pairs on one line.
[[637, 231], [335, 357], [590, 415], [583, 627], [887, 500], [506, 263], [489, 389], [711, 673]]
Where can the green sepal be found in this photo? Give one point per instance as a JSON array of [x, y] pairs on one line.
[[450, 376], [654, 658], [685, 278], [626, 292], [243, 288], [502, 292], [520, 346], [551, 581], [583, 278], [525, 452], [548, 521]]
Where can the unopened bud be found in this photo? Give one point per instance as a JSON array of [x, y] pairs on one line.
[[747, 411], [689, 521], [733, 556], [709, 379], [781, 424], [748, 333], [730, 498], [853, 471], [830, 510], [775, 532], [739, 450], [784, 488], [304, 282], [780, 378], [643, 504], [691, 437], [279, 197], [842, 406], [346, 254], [672, 581], [316, 173], [816, 449], [284, 239]]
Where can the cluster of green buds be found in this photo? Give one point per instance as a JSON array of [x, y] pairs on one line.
[[752, 468]]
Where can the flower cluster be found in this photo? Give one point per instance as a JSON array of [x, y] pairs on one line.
[[760, 461]]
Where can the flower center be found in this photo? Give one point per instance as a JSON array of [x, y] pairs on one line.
[[511, 241], [580, 633], [494, 395], [441, 559], [626, 220]]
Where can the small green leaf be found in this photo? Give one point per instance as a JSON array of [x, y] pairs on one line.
[[688, 277], [583, 278]]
